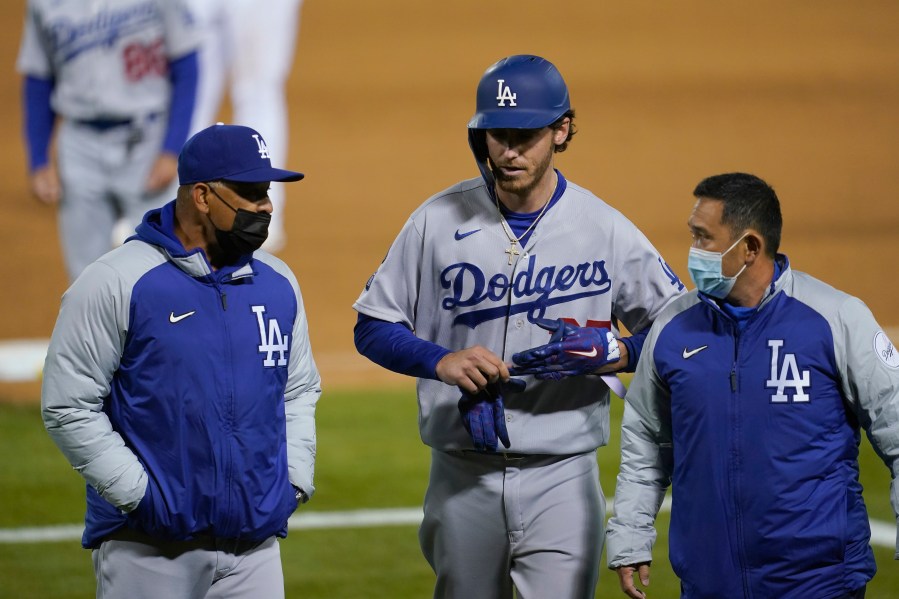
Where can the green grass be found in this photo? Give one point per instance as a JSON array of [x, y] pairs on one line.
[[369, 456]]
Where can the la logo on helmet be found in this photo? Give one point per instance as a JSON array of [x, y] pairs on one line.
[[503, 93]]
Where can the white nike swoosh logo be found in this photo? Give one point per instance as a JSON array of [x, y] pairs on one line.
[[173, 319], [587, 354], [693, 352]]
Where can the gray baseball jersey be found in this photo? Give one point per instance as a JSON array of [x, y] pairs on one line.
[[108, 58], [449, 278]]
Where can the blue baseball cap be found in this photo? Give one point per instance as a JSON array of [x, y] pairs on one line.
[[230, 153]]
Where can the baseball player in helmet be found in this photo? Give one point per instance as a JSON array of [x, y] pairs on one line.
[[517, 258]]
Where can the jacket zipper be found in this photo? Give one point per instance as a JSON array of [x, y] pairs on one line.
[[737, 458], [228, 417]]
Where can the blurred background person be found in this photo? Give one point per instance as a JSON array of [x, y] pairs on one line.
[[120, 77], [251, 50]]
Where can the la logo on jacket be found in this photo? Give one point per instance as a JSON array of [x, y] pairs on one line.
[[786, 374], [271, 341]]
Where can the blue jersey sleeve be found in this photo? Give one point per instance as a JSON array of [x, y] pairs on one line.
[[183, 74], [634, 345], [396, 348], [38, 120]]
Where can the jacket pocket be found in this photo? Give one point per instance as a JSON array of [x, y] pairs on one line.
[[151, 515]]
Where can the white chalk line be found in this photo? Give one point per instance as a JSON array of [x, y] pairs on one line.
[[883, 534], [22, 359]]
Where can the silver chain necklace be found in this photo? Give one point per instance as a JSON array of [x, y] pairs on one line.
[[514, 241]]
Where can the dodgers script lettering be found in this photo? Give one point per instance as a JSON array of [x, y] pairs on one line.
[[469, 287]]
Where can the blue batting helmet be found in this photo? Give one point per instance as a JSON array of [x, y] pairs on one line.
[[520, 92]]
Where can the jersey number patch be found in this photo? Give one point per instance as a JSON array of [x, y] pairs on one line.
[[144, 59], [786, 374], [271, 341]]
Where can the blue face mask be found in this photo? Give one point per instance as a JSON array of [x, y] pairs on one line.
[[705, 270]]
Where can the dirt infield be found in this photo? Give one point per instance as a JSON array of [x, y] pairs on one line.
[[803, 94]]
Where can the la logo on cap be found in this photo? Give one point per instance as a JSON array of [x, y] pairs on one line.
[[263, 149]]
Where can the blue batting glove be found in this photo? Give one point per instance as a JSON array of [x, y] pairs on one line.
[[484, 415], [558, 327], [571, 351]]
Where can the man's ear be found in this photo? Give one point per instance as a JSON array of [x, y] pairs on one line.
[[755, 246], [560, 134], [199, 195]]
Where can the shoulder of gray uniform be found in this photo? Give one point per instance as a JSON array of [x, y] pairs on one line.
[[590, 206], [591, 200], [450, 194]]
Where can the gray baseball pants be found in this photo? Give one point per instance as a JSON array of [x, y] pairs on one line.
[[103, 175], [202, 569], [533, 523]]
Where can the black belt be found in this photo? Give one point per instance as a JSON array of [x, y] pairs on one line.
[[505, 455], [106, 124], [202, 540]]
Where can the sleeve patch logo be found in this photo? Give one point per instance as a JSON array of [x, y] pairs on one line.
[[885, 350]]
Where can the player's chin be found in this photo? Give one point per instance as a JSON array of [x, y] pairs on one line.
[[517, 183]]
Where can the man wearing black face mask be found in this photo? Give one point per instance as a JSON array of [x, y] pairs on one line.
[[192, 471], [248, 231], [223, 205]]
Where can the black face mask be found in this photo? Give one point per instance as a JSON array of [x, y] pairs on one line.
[[247, 234]]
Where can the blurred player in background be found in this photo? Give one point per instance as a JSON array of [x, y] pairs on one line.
[[749, 401], [180, 383], [487, 268], [249, 47], [119, 77]]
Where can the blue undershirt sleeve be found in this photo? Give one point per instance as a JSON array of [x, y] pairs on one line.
[[393, 346], [183, 75], [39, 119], [634, 345]]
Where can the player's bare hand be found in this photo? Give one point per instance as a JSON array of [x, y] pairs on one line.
[[626, 579], [472, 368], [163, 172], [45, 184]]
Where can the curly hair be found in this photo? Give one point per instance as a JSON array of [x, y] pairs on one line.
[[569, 114]]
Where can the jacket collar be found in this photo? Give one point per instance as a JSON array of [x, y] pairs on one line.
[[783, 277], [158, 229]]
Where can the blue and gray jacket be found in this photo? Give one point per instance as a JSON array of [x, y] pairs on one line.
[[184, 396], [757, 430]]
